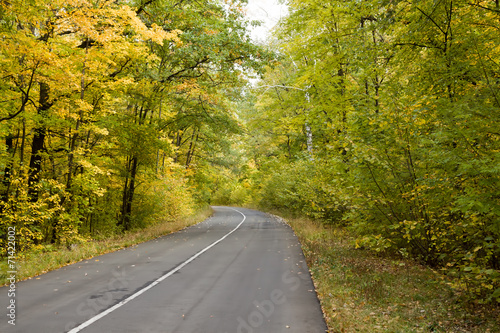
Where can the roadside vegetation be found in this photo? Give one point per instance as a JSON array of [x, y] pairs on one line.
[[44, 258], [362, 290], [382, 117], [113, 115]]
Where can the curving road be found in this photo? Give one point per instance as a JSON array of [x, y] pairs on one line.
[[240, 271]]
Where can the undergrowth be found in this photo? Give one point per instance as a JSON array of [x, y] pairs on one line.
[[44, 258], [366, 291]]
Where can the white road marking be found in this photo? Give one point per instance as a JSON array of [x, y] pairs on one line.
[[154, 283]]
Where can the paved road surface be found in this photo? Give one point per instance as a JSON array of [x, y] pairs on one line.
[[240, 271]]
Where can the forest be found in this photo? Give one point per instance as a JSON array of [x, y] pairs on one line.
[[112, 114], [381, 117]]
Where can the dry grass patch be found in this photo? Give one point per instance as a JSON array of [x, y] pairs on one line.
[[364, 291]]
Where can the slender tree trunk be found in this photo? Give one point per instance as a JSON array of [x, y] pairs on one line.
[[309, 135], [122, 220], [309, 139], [192, 147], [23, 144], [9, 142], [35, 166], [74, 140], [158, 151], [178, 142], [128, 194], [132, 168]]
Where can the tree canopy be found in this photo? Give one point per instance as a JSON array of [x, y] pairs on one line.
[[110, 110], [383, 116]]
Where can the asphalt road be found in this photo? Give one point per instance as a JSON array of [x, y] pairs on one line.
[[240, 271]]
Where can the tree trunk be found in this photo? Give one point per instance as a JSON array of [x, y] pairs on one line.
[[35, 166], [128, 194], [192, 147], [4, 196], [309, 139], [178, 141], [74, 140], [23, 144]]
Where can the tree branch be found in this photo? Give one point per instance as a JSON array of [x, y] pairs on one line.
[[25, 99], [432, 20], [279, 86]]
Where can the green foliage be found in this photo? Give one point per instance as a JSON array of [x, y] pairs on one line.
[[383, 116], [111, 111], [317, 197], [361, 290]]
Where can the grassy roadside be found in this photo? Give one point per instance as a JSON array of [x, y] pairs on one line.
[[363, 291], [34, 263]]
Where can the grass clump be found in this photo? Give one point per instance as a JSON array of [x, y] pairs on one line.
[[44, 258], [365, 291]]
